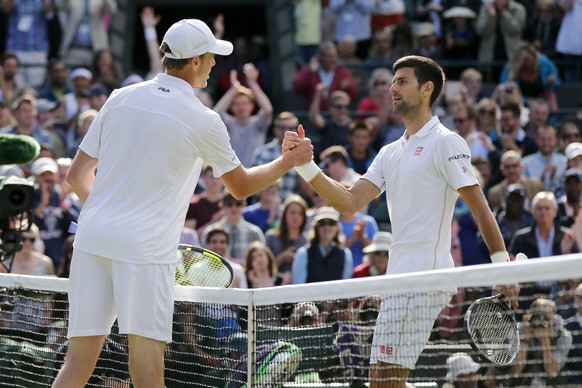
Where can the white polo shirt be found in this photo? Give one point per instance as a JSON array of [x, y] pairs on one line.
[[421, 176], [150, 139]]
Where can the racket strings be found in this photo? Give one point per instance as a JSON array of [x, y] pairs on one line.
[[201, 269], [493, 331]]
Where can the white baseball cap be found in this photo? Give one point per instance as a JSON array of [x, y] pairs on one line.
[[380, 242], [189, 38], [573, 150], [44, 164]]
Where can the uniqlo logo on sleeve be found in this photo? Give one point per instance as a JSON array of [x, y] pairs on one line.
[[386, 350], [418, 151]]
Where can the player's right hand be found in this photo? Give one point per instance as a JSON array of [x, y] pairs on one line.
[[292, 139]]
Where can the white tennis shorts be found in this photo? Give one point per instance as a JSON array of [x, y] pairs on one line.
[[140, 296], [404, 325]]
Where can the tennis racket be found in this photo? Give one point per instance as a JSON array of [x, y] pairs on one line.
[[197, 267], [491, 326], [203, 268]]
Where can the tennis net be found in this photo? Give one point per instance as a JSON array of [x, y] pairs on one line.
[[316, 335]]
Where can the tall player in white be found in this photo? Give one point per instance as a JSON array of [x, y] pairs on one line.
[[423, 173], [147, 145]]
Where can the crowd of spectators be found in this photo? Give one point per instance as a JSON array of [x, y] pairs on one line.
[[528, 158]]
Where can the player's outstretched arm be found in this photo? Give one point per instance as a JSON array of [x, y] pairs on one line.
[[346, 201], [242, 182]]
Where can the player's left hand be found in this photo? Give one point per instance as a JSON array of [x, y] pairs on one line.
[[511, 293]]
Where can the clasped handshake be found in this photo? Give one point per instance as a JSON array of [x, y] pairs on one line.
[[293, 139], [296, 142]]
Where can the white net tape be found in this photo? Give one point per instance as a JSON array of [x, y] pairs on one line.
[[316, 335]]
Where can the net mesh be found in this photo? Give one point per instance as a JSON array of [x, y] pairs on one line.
[[315, 335]]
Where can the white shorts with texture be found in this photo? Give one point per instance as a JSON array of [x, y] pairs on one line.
[[404, 325], [140, 296]]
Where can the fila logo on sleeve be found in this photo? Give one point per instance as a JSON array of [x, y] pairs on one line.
[[387, 350]]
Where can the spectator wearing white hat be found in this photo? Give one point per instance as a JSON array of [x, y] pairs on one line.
[[325, 257], [76, 102], [428, 45], [52, 220], [574, 152], [462, 371], [376, 258]]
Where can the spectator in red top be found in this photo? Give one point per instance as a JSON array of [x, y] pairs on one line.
[[206, 208], [323, 69], [376, 258]]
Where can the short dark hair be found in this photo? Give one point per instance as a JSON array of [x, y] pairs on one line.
[[359, 125], [9, 55], [511, 107], [217, 229], [170, 63], [228, 198], [425, 70]]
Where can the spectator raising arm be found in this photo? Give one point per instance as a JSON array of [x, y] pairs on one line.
[[150, 20]]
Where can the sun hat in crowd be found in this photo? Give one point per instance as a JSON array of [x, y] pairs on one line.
[[132, 79], [43, 105], [45, 164], [460, 364], [572, 150], [425, 29], [192, 37], [382, 241], [573, 172], [459, 12], [515, 188], [326, 213], [81, 72]]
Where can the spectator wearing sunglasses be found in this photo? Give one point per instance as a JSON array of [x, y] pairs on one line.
[[570, 132], [333, 129], [487, 119], [464, 120], [325, 257], [30, 260]]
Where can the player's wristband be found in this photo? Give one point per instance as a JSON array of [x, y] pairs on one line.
[[500, 257], [308, 171], [150, 33]]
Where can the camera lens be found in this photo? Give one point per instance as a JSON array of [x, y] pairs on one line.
[[538, 320], [16, 195], [307, 319]]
